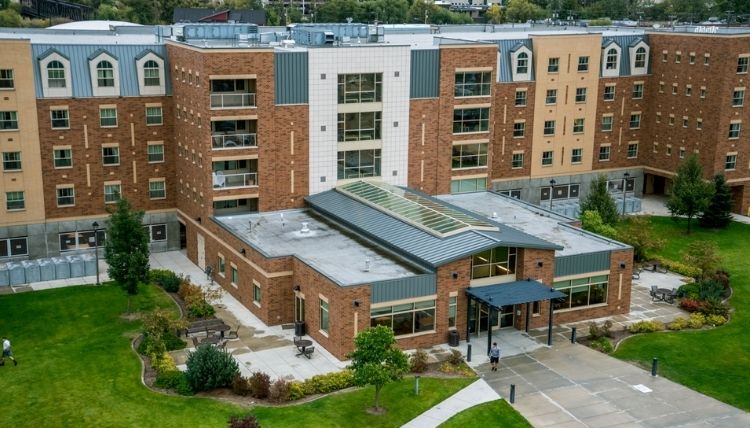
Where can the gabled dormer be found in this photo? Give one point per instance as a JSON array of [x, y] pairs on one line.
[[521, 60], [104, 70], [150, 70], [639, 54], [54, 70], [611, 56]]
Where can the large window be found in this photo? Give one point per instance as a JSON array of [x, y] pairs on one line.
[[155, 153], [107, 117], [522, 63], [469, 156], [324, 320], [8, 120], [358, 164], [56, 74], [359, 126], [105, 74], [742, 63], [15, 201], [59, 119], [473, 84], [111, 155], [14, 247], [407, 318], [157, 189], [11, 161], [63, 158], [611, 59], [640, 57], [66, 196], [6, 79], [151, 73], [360, 88], [582, 292], [112, 193], [153, 115], [469, 185], [468, 120], [81, 240], [498, 261]]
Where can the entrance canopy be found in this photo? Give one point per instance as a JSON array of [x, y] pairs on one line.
[[513, 293]]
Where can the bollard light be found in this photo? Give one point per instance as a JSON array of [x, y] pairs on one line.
[[512, 393], [573, 335], [654, 366], [468, 352], [416, 385]]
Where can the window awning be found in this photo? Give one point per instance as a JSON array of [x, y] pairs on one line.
[[513, 293]]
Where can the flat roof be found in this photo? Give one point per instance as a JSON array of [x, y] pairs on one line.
[[336, 253], [535, 221], [124, 35]]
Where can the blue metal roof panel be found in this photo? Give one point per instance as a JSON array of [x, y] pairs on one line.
[[624, 42], [506, 47], [425, 73], [513, 293]]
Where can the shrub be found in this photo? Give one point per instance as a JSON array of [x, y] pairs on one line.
[[461, 369], [690, 290], [714, 306], [197, 300], [260, 383], [279, 391], [418, 361], [678, 324], [681, 268], [329, 382], [163, 363], [600, 22], [295, 391], [166, 279], [241, 386], [174, 380], [595, 332], [691, 305], [636, 232], [248, 421], [200, 310], [602, 344], [709, 289], [722, 277], [646, 326], [209, 367], [696, 320], [716, 320], [455, 358]]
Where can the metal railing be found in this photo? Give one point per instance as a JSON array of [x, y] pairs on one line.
[[233, 141], [226, 181], [232, 100]]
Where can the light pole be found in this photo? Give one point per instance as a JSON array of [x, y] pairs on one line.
[[624, 190], [551, 192], [96, 249]]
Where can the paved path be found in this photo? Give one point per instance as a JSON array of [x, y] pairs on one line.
[[573, 386], [477, 393]]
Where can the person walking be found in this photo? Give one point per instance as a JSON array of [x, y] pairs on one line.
[[7, 352], [494, 356]]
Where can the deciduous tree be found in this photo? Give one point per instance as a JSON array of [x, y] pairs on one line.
[[690, 194]]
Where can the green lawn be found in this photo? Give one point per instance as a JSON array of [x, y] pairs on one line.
[[488, 415], [714, 362], [76, 368]]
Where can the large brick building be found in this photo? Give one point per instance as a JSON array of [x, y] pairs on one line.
[[299, 164]]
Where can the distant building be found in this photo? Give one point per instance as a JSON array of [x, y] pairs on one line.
[[242, 16]]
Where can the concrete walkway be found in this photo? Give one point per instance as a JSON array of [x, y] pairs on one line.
[[477, 393], [573, 386]]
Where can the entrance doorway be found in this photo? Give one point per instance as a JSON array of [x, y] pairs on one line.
[[183, 236], [299, 307], [479, 317]]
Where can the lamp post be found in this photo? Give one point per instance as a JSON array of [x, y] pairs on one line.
[[551, 192], [624, 190], [96, 249]]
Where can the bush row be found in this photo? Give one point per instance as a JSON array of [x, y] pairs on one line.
[[678, 267], [696, 320], [166, 279]]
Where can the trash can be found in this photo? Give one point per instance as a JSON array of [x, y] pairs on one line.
[[299, 328], [453, 338]]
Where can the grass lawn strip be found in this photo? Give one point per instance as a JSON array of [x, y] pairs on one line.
[[713, 361], [488, 415]]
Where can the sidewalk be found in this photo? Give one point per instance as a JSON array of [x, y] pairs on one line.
[[477, 393]]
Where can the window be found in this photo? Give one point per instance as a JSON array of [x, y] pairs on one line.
[[688, 90], [56, 74], [682, 153], [706, 59], [640, 57], [324, 324], [674, 89], [549, 127], [107, 117], [521, 95], [677, 57], [632, 150], [699, 124], [156, 232], [635, 120], [11, 161], [360, 88], [14, 201], [59, 119], [111, 155], [8, 120], [151, 74], [63, 158], [607, 123], [691, 58], [553, 66], [256, 293], [469, 156], [742, 63], [473, 84], [452, 310], [519, 129], [111, 193], [235, 276], [671, 120], [153, 116], [685, 122], [582, 292], [547, 158], [658, 117], [738, 98], [661, 87], [157, 189], [730, 163], [360, 126], [583, 63], [469, 120], [358, 164], [611, 63], [638, 90], [561, 191], [514, 193], [580, 95], [66, 196], [522, 63], [407, 318], [734, 130], [664, 56], [604, 153], [669, 150], [81, 240], [14, 247], [517, 161], [609, 93], [221, 265], [578, 126], [702, 92], [469, 185], [551, 97], [576, 156], [6, 79], [105, 75], [155, 153], [498, 261]]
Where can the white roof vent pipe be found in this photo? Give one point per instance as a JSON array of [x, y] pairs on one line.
[[367, 265], [304, 229], [494, 215]]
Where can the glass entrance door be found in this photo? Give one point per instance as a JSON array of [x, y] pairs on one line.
[[505, 316]]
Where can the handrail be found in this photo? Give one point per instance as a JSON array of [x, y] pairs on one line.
[[233, 141], [232, 100]]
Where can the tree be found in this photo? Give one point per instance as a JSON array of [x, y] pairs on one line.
[[10, 18], [126, 248], [377, 360], [601, 201], [522, 11], [690, 194], [705, 256], [592, 221], [494, 15], [637, 233], [718, 213]]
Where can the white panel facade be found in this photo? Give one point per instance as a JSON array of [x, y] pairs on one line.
[[395, 64]]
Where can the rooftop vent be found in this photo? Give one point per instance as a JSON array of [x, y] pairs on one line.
[[367, 265], [304, 229], [494, 215]]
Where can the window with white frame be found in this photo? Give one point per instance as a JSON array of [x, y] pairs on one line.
[[62, 157], [549, 128], [632, 150], [583, 63], [521, 97], [553, 65], [551, 97], [519, 129], [15, 201], [107, 117], [640, 57], [742, 63], [638, 90], [66, 196], [607, 123], [256, 294], [639, 54], [56, 78], [469, 156], [578, 126], [464, 185], [730, 163], [581, 292], [105, 74], [155, 152], [576, 156], [6, 79], [8, 120], [111, 155], [11, 161], [580, 95], [517, 161], [59, 118], [12, 247], [112, 193], [738, 97], [547, 158], [324, 316], [734, 130], [609, 93], [404, 318], [56, 75], [153, 115], [151, 75], [611, 59], [359, 126], [81, 240], [472, 84], [635, 120], [521, 64], [470, 120], [235, 279], [604, 153], [157, 189]]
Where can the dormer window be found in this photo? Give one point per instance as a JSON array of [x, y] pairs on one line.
[[520, 61], [56, 75], [104, 70], [611, 54], [640, 57], [150, 70], [54, 70], [522, 65], [151, 74], [105, 75], [611, 59]]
